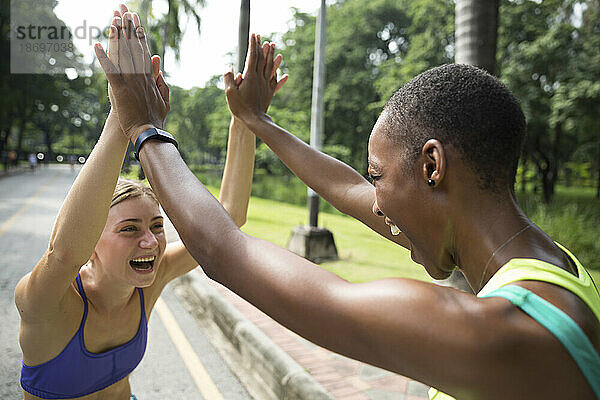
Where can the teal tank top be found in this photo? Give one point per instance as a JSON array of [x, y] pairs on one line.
[[551, 317]]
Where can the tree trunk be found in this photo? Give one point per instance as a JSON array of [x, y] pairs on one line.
[[548, 182], [476, 33], [165, 38], [20, 133], [3, 152], [598, 185], [524, 175], [48, 141], [552, 175]]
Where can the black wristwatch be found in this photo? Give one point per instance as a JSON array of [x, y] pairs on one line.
[[155, 134]]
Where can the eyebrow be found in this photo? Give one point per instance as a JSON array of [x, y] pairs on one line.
[[138, 220]]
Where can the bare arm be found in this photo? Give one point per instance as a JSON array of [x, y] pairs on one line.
[[237, 178], [237, 175], [79, 223], [409, 327], [235, 194], [335, 181], [82, 217]]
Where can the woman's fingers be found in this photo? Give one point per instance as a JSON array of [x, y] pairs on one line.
[[251, 56], [110, 70], [268, 71], [163, 88], [280, 83], [124, 55], [133, 42], [260, 57], [276, 63], [141, 34], [147, 61], [155, 66], [136, 20], [113, 40], [231, 89]]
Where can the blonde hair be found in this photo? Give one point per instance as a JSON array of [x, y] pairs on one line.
[[130, 189]]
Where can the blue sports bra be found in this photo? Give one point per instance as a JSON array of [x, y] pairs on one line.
[[76, 372]]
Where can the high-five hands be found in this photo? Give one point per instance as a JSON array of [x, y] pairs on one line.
[[137, 89], [251, 94]]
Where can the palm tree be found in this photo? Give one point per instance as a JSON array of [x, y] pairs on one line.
[[166, 31]]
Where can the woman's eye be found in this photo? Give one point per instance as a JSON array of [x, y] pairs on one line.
[[157, 226], [374, 178], [129, 229]]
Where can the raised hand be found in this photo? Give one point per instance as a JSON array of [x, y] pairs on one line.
[[251, 94], [139, 93]]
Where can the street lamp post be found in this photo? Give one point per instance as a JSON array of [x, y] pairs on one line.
[[243, 34], [312, 242]]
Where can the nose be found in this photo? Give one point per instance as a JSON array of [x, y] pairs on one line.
[[148, 241], [376, 209]]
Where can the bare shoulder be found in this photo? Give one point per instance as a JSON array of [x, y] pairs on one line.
[[28, 304], [522, 351], [570, 304], [45, 331], [21, 293]]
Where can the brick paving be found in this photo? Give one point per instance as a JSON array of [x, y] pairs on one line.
[[343, 378]]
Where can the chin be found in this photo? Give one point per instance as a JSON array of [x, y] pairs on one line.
[[438, 274], [143, 279]]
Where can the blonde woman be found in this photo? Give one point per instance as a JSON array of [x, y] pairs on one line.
[[84, 308]]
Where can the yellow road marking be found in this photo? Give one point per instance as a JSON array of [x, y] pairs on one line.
[[6, 225], [203, 381]]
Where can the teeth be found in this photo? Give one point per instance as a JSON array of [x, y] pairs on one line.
[[144, 259], [395, 230]]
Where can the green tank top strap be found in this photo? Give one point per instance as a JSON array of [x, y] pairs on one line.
[[560, 325]]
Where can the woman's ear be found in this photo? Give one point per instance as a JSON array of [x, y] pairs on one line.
[[434, 162]]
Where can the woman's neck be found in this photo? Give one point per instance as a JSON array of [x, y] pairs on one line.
[[104, 293], [488, 232]]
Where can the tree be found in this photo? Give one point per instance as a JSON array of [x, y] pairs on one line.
[[362, 36], [165, 31], [30, 101], [548, 64]]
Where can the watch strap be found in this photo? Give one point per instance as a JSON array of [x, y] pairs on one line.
[[154, 134]]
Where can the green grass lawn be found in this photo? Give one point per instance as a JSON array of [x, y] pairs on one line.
[[364, 255]]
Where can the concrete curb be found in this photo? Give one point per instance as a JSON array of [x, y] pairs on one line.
[[271, 373]]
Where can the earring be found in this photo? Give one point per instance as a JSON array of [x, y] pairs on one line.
[[431, 182]]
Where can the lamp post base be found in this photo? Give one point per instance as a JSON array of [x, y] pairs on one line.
[[314, 244]]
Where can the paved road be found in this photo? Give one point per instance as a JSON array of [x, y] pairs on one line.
[[28, 206]]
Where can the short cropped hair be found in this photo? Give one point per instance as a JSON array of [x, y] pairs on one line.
[[465, 107], [130, 189]]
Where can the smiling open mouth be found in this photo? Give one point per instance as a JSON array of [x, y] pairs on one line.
[[143, 264]]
